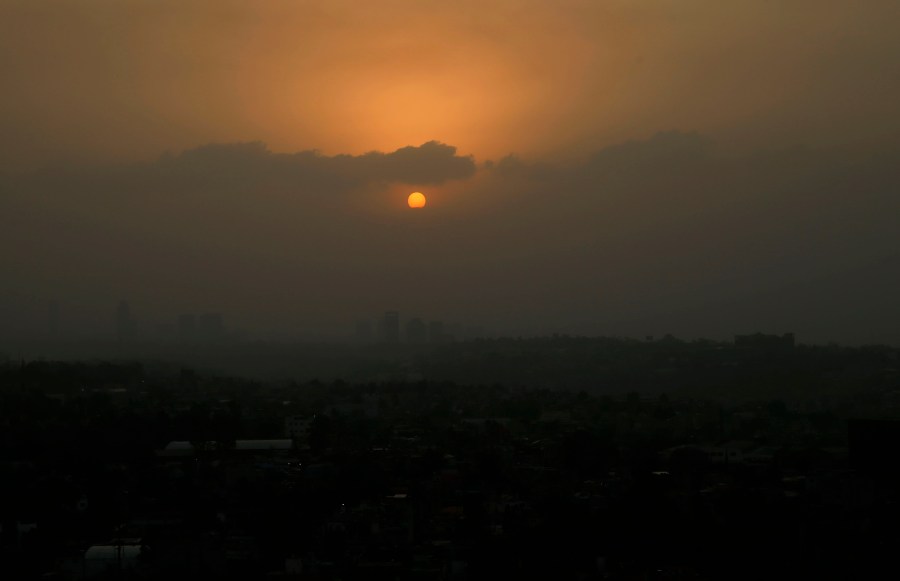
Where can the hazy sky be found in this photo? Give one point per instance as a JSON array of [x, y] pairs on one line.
[[608, 166]]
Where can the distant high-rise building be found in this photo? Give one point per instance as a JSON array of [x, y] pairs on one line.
[[416, 331], [53, 320], [389, 328], [187, 328], [126, 326], [764, 342], [474, 332], [210, 327], [363, 331], [436, 332]]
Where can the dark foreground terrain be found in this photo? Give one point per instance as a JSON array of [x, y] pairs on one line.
[[719, 461]]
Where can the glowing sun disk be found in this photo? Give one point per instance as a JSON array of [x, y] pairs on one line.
[[416, 200]]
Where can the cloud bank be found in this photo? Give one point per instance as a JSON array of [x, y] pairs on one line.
[[667, 234]]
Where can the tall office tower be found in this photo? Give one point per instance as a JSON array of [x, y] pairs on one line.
[[416, 331], [363, 331], [436, 332], [187, 328], [53, 320], [210, 327], [390, 327], [474, 332], [126, 326]]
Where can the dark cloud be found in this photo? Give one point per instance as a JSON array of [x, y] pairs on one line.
[[232, 222], [252, 164], [663, 151], [430, 163], [237, 173], [673, 233], [669, 234]]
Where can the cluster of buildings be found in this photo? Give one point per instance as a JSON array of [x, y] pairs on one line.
[[190, 328], [203, 477], [390, 330]]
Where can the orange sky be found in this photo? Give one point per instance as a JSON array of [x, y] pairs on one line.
[[107, 79]]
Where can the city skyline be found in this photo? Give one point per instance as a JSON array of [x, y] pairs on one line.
[[449, 291]]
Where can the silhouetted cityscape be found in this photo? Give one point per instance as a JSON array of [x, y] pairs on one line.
[[555, 457], [347, 290]]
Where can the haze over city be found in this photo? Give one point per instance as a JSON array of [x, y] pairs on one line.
[[603, 168], [419, 290]]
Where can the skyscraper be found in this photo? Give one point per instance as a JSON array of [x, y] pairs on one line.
[[363, 331], [53, 320], [389, 328], [187, 328], [126, 326], [436, 332], [211, 327], [416, 331]]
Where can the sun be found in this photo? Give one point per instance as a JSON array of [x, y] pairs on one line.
[[416, 200]]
